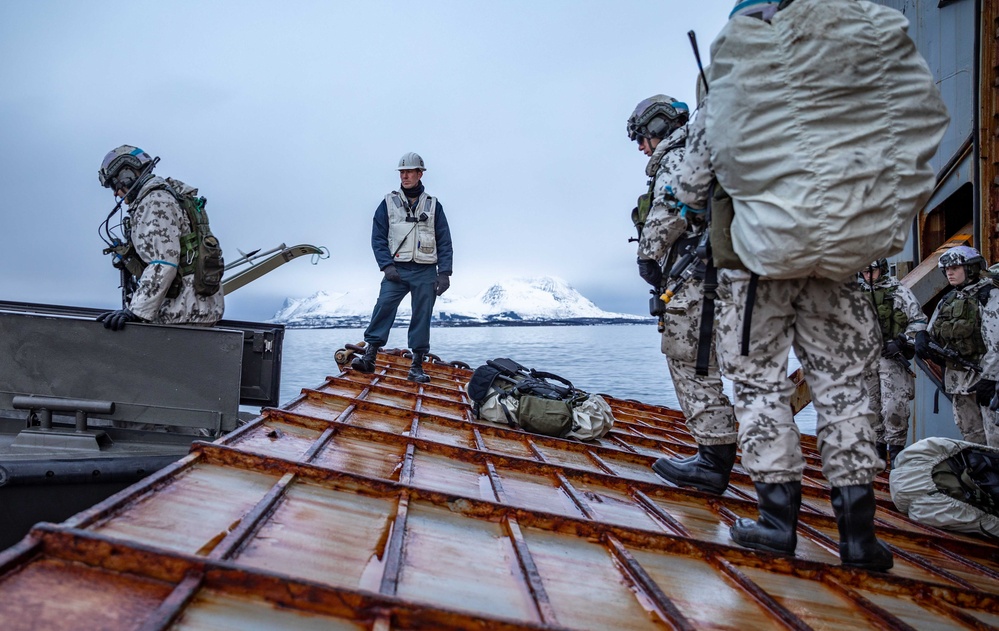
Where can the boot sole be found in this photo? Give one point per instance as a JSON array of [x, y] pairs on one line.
[[871, 567], [666, 475]]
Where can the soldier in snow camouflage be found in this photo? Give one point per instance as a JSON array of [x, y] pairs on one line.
[[966, 320], [892, 382], [156, 223], [834, 332], [658, 126]]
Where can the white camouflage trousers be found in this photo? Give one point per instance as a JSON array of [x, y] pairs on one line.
[[891, 389], [835, 335], [972, 419], [710, 418]]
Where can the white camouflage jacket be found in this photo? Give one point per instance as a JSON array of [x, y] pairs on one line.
[[158, 222], [664, 225]]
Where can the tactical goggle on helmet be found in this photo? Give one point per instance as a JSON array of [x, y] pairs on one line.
[[962, 255], [117, 159], [656, 117]]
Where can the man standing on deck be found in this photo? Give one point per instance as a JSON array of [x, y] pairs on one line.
[[966, 323], [892, 383], [666, 233], [160, 288], [412, 246]]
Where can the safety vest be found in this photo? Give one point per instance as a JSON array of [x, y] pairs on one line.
[[412, 235], [892, 320], [958, 322]]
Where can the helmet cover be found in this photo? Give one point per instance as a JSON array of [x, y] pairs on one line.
[[118, 159], [657, 117]]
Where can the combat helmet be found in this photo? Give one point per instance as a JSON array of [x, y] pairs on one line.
[[881, 265], [657, 117], [411, 161], [121, 167], [969, 257]]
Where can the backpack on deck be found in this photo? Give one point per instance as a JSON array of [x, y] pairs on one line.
[[504, 391], [821, 126], [949, 484]]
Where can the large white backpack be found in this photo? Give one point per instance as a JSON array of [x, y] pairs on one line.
[[821, 126], [920, 485]]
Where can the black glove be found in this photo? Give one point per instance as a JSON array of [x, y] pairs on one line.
[[441, 284], [392, 274], [994, 403], [892, 348], [985, 389], [922, 345], [116, 320], [650, 271]]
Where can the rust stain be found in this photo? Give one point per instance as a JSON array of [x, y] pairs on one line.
[[373, 502]]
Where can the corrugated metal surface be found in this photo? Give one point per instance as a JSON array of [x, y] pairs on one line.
[[375, 503]]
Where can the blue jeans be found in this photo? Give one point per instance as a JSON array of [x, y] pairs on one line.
[[419, 281]]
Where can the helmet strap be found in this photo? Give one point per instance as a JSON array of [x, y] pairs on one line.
[[140, 179]]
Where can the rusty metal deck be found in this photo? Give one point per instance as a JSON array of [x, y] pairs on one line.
[[372, 502]]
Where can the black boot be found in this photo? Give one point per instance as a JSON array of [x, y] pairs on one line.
[[416, 370], [882, 452], [776, 529], [893, 452], [366, 363], [858, 547], [708, 471]]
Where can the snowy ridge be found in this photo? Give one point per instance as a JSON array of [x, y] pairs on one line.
[[524, 301]]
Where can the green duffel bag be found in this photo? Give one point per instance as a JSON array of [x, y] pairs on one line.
[[551, 417]]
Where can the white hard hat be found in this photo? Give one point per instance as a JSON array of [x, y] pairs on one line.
[[411, 161]]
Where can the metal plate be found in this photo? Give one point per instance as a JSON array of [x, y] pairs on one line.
[[372, 502]]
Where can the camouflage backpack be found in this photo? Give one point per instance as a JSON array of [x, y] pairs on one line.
[[504, 391], [200, 252]]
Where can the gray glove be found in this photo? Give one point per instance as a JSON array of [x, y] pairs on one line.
[[392, 274], [441, 284]]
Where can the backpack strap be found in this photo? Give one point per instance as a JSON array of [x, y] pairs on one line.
[[984, 292], [707, 320], [537, 374], [747, 317]]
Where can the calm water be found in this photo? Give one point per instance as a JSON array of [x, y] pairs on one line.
[[621, 360]]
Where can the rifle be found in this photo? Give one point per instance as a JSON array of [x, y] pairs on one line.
[[690, 265], [697, 56], [683, 270], [947, 354], [900, 356]]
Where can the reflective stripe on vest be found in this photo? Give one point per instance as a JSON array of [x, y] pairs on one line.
[[410, 241]]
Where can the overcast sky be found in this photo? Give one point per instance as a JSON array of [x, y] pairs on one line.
[[291, 118]]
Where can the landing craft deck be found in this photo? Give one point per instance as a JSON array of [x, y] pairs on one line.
[[372, 502]]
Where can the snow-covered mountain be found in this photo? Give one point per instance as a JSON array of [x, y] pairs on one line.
[[543, 300]]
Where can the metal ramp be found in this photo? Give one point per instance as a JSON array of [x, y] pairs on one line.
[[372, 502]]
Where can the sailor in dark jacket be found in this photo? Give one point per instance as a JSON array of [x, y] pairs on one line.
[[412, 246]]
